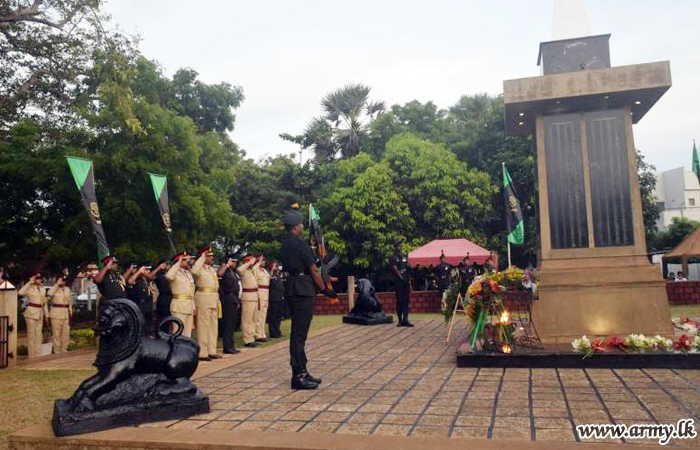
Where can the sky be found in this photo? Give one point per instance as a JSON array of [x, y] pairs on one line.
[[286, 55]]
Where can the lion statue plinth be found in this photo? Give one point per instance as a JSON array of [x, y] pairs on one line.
[[368, 308], [139, 379]]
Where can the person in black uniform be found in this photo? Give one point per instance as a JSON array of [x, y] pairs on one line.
[[139, 291], [443, 276], [110, 284], [298, 261], [165, 295], [466, 275], [274, 312], [398, 264], [230, 296]]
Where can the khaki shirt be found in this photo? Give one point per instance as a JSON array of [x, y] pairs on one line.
[[263, 278], [182, 288], [207, 282], [248, 281], [35, 295], [60, 296]]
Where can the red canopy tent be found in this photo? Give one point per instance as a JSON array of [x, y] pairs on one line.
[[455, 250]]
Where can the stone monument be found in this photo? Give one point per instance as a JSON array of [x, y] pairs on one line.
[[139, 379], [8, 323], [595, 277]]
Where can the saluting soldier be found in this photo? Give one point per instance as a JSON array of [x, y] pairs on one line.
[[274, 313], [206, 299], [443, 278], [263, 278], [60, 313], [230, 296], [165, 295], [182, 305], [298, 260], [36, 313], [110, 284], [249, 299], [140, 293]]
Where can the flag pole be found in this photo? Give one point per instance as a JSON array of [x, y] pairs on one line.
[[509, 264]]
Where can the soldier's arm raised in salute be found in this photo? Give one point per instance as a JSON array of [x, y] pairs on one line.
[[170, 275], [198, 265]]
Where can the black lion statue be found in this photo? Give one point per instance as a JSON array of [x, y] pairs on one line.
[[368, 308], [139, 378]]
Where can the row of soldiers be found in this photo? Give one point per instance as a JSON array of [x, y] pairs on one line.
[[195, 292], [199, 294]]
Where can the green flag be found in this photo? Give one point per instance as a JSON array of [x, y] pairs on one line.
[[514, 216], [84, 177], [696, 161], [160, 189]]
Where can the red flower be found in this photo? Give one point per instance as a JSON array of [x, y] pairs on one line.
[[598, 345], [615, 342], [683, 344], [493, 285]]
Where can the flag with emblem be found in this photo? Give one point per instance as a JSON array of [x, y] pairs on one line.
[[84, 176], [514, 216], [160, 189]]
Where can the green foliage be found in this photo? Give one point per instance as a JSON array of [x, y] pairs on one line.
[[81, 338], [650, 205], [679, 229], [343, 128]]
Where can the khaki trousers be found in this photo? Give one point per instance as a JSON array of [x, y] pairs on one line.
[[207, 331], [60, 335], [187, 321], [34, 337], [261, 319], [248, 320]]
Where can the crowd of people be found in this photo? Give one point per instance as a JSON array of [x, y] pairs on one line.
[[246, 296]]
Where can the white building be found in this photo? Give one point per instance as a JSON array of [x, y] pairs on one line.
[[678, 193]]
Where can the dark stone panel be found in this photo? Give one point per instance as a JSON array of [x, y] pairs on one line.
[[611, 360], [610, 184], [565, 181]]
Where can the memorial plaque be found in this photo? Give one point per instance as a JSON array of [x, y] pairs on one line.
[[565, 181], [606, 142]]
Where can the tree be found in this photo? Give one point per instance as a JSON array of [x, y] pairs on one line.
[[344, 125], [46, 48], [680, 228], [650, 204]]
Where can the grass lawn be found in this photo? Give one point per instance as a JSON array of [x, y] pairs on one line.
[[685, 310]]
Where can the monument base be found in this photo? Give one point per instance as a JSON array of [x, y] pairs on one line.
[[603, 301], [66, 423], [361, 320]]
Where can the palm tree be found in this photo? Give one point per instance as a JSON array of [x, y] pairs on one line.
[[472, 107], [350, 112]]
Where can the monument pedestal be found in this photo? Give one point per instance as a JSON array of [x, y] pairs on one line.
[[603, 301], [595, 278]]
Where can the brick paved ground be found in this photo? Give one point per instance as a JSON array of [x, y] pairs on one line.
[[400, 381]]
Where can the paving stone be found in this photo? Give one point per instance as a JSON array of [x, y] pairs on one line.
[[367, 418], [555, 434], [355, 428], [511, 433], [250, 425], [393, 430], [430, 431], [319, 427], [469, 432]]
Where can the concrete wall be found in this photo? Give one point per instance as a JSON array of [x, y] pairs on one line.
[[679, 190], [420, 302]]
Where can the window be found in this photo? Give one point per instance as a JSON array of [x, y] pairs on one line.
[[691, 202]]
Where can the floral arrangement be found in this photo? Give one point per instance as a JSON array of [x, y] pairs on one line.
[[686, 325], [484, 304], [636, 343]]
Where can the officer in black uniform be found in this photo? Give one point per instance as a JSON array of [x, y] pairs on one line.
[[398, 264], [274, 312], [139, 291], [165, 295], [298, 261], [230, 296], [443, 274], [110, 284], [466, 275]]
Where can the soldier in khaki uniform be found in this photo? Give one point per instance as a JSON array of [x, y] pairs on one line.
[[36, 313], [60, 314], [182, 305], [249, 299], [263, 278], [207, 300]]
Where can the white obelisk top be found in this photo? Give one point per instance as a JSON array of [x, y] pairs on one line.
[[570, 20]]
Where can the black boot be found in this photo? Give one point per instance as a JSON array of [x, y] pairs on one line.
[[299, 380], [308, 376]]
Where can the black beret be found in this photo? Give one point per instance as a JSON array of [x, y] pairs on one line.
[[291, 217]]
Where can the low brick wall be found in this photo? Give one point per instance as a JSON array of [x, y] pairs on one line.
[[420, 302], [683, 292]]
